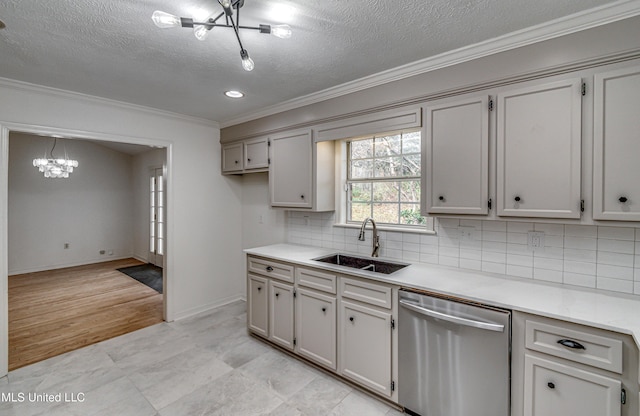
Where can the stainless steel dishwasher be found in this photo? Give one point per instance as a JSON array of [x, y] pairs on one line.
[[454, 358]]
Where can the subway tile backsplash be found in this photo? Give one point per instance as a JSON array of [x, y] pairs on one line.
[[598, 257]]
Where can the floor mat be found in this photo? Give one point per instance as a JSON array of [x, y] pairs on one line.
[[147, 274]]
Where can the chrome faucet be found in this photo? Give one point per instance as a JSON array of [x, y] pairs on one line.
[[375, 238]]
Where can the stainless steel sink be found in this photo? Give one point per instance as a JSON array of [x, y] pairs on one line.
[[362, 263]]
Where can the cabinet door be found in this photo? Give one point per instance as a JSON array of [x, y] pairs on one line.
[[539, 140], [365, 346], [281, 313], [232, 157], [616, 193], [316, 327], [290, 172], [256, 153], [555, 389], [258, 305], [456, 166]]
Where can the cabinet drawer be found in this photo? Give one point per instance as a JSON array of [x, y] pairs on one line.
[[579, 346], [371, 293], [314, 279], [271, 268]]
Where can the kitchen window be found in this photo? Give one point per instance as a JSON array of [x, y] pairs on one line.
[[383, 179]]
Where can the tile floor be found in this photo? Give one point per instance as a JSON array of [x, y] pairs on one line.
[[204, 365]]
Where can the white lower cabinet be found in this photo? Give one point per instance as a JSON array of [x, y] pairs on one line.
[[258, 311], [555, 389], [344, 324], [365, 346], [562, 368], [316, 327], [281, 313]]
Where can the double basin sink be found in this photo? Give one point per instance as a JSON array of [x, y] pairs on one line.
[[362, 263]]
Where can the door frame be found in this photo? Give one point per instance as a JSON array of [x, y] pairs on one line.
[[5, 129]]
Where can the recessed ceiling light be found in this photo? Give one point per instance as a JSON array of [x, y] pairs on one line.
[[234, 94]]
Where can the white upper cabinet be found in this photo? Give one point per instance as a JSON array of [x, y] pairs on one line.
[[232, 158], [616, 171], [301, 173], [455, 168], [539, 150], [256, 153]]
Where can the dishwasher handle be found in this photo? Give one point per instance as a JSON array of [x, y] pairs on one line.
[[454, 319]]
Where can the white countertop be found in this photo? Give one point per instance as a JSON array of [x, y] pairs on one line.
[[620, 313]]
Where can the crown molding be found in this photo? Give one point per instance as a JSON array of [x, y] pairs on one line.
[[60, 93], [577, 22]]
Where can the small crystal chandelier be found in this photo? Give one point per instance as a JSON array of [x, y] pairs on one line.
[[201, 29], [55, 167]]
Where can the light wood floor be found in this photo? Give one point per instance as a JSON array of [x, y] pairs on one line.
[[57, 311]]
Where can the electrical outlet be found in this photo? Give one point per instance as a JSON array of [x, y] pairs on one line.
[[66, 246], [535, 240], [102, 252], [110, 252], [467, 233]]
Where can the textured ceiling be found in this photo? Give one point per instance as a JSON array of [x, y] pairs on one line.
[[112, 49]]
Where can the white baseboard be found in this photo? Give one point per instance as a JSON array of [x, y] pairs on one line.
[[205, 308], [63, 266]]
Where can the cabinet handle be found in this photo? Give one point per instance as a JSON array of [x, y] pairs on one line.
[[277, 294], [623, 199], [259, 288], [551, 385], [324, 309], [441, 198], [269, 268], [517, 199], [571, 344], [351, 318]]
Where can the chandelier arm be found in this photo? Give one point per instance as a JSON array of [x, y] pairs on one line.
[[212, 25], [235, 29]]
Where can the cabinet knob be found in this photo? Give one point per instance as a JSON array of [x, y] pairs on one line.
[[301, 196], [236, 162], [259, 288], [351, 318], [324, 309], [441, 198], [517, 199], [269, 269], [248, 160], [551, 385], [623, 199], [277, 294]]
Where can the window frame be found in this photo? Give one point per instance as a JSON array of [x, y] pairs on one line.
[[348, 181]]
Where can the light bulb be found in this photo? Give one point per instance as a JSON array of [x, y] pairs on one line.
[[201, 32], [247, 62], [165, 20], [281, 31], [225, 3]]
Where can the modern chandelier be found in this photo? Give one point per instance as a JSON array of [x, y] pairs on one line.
[[201, 29], [55, 167]]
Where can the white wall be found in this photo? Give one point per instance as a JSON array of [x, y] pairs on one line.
[[261, 225], [205, 263], [142, 164], [91, 210]]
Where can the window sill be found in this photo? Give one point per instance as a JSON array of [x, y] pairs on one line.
[[388, 228]]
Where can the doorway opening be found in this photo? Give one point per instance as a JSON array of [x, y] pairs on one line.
[[64, 289]]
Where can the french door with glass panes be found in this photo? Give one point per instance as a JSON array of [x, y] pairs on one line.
[[157, 217]]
